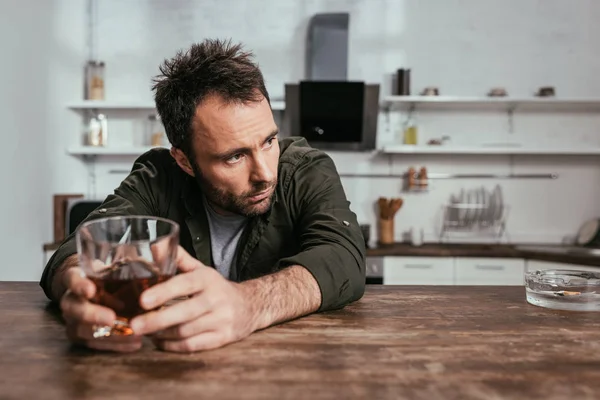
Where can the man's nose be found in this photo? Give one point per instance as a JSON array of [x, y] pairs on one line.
[[261, 172]]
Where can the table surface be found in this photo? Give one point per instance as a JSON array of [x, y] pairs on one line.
[[418, 342]]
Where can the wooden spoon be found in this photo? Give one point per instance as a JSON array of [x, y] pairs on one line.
[[395, 205], [383, 208]]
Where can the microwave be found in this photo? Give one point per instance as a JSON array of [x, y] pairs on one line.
[[333, 115]]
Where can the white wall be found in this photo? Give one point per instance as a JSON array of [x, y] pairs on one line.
[[25, 95], [462, 46]]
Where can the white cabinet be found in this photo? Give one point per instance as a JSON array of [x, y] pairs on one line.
[[465, 270], [418, 271], [533, 265], [489, 271]]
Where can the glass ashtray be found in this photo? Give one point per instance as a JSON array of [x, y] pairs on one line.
[[564, 289]]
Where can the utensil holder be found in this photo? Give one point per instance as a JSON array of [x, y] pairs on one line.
[[386, 231]]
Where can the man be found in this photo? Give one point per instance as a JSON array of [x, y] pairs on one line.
[[266, 231]]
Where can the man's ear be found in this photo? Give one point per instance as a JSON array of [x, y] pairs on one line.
[[182, 161]]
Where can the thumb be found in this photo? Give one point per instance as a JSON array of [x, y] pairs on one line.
[[185, 262], [76, 281]]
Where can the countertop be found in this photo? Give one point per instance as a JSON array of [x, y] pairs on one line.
[[451, 342], [540, 252]]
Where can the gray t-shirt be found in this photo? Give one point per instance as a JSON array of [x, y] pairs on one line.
[[225, 233]]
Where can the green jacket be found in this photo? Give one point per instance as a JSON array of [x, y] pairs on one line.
[[309, 224]]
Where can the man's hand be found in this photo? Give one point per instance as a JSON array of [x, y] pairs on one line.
[[217, 311], [81, 315]]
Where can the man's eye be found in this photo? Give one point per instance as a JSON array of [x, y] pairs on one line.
[[235, 158], [270, 142]]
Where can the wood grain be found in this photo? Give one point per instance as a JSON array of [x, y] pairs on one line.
[[397, 342]]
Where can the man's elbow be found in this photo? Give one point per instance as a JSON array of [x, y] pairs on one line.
[[357, 284], [354, 284]]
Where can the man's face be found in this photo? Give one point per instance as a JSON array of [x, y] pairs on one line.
[[237, 155]]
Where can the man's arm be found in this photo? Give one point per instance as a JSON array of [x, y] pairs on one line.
[[332, 247], [290, 293]]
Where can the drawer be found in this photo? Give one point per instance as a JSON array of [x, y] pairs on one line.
[[418, 271], [533, 265], [489, 271]]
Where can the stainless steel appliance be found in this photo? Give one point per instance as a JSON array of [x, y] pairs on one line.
[[327, 47], [374, 271]]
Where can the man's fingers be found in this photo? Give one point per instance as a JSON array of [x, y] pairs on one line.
[[181, 285], [76, 281], [182, 312], [185, 262], [75, 308], [163, 255], [204, 341], [211, 321]]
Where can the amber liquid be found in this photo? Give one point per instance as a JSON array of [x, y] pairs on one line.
[[120, 290]]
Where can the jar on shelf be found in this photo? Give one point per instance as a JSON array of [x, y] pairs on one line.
[[156, 131], [94, 80]]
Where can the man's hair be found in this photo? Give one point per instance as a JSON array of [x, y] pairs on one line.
[[212, 67]]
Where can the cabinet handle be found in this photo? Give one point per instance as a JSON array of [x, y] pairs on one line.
[[418, 266], [490, 267]]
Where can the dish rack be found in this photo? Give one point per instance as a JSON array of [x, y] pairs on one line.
[[475, 212]]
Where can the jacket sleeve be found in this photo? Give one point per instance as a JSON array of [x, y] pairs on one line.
[[332, 247], [134, 196]]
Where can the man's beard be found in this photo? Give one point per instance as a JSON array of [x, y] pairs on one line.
[[236, 204]]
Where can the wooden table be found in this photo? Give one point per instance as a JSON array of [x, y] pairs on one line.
[[397, 342]]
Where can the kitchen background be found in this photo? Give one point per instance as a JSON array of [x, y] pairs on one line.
[[462, 47]]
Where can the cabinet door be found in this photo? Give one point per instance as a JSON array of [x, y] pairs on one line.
[[534, 265], [418, 270], [489, 271]]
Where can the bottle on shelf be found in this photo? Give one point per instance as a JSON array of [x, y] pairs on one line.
[[411, 131], [97, 130]]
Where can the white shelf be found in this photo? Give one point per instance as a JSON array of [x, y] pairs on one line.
[[277, 105], [448, 102], [488, 150], [109, 151]]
